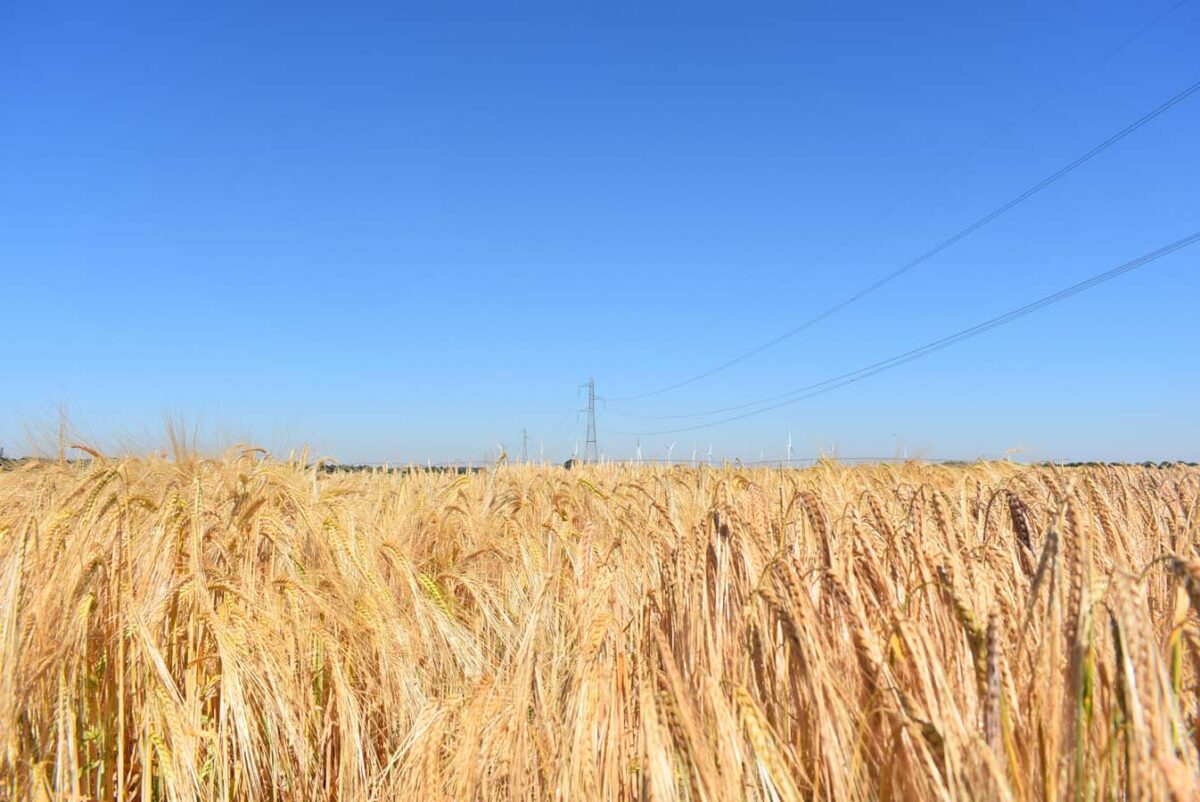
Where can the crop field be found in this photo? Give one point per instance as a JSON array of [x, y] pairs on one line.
[[247, 629]]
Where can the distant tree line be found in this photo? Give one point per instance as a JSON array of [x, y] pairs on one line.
[[1146, 464], [351, 468], [571, 463]]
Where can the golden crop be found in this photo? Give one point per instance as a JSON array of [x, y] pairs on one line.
[[245, 629]]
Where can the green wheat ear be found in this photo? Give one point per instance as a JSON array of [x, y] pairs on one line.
[[435, 591]]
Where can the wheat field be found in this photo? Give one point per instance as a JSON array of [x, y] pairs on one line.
[[247, 629]]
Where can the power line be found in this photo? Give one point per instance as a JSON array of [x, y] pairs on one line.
[[550, 438], [1001, 132], [808, 391], [934, 251], [565, 437]]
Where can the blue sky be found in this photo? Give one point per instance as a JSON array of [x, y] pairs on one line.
[[399, 231]]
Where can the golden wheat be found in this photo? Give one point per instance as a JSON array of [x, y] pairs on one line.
[[240, 628]]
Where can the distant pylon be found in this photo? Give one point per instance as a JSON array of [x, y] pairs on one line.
[[524, 445], [591, 452]]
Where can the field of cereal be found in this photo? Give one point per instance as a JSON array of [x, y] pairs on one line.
[[241, 628]]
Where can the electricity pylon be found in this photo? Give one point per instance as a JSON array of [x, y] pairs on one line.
[[591, 452]]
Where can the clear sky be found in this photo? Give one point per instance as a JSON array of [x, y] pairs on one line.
[[400, 231]]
